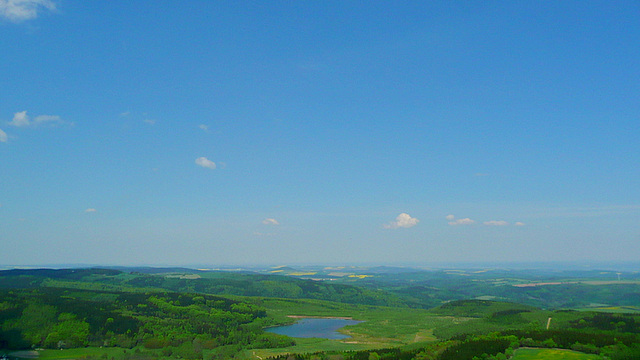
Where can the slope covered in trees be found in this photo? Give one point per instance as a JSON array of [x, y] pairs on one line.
[[218, 283], [174, 322]]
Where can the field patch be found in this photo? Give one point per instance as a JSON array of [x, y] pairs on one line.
[[551, 354], [107, 352]]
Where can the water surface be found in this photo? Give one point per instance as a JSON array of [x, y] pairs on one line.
[[315, 328]]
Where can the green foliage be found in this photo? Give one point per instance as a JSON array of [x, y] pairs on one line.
[[68, 332], [173, 316], [468, 349], [607, 321], [184, 323], [269, 286], [566, 338], [270, 340], [482, 308], [552, 354], [622, 352]]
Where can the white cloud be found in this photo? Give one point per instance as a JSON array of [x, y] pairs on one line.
[[270, 221], [519, 224], [204, 162], [204, 127], [3, 136], [496, 223], [21, 10], [150, 121], [125, 114], [90, 210], [403, 220], [20, 118], [450, 217], [465, 221]]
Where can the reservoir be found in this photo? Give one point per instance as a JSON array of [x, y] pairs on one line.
[[315, 328]]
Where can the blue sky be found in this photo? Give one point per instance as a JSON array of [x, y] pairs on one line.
[[210, 132]]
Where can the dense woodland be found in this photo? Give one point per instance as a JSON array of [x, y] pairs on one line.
[[223, 315], [179, 323]]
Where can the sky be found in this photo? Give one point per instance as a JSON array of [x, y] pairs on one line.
[[320, 132]]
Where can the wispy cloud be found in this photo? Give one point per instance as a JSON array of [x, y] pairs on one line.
[[21, 119], [204, 127], [496, 223], [90, 210], [21, 10], [3, 136], [150, 121], [270, 221], [465, 221], [204, 162], [403, 220], [453, 221], [41, 119]]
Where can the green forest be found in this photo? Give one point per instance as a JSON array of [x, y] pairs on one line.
[[437, 315]]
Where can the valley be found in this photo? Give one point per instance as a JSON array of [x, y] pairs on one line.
[[145, 313]]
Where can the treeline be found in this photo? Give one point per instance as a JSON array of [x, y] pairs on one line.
[[482, 308], [175, 324], [224, 283], [608, 321], [271, 286]]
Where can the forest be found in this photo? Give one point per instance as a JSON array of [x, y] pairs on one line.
[[189, 314]]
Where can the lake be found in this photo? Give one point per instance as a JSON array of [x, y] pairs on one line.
[[315, 328]]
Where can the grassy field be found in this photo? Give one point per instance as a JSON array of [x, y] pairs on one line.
[[307, 346], [382, 327], [551, 354], [107, 352]]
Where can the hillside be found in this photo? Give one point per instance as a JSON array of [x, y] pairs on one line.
[[218, 283], [133, 315]]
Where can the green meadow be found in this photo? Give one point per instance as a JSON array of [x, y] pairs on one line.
[[551, 354], [382, 327], [95, 352]]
